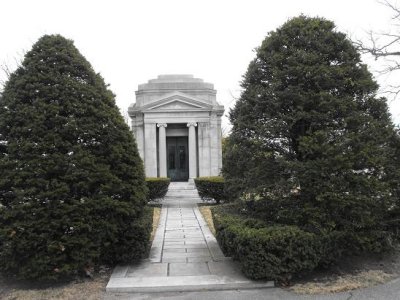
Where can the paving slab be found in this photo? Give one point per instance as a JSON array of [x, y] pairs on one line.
[[184, 256], [174, 250], [186, 246], [174, 259], [198, 250], [188, 269], [225, 268], [148, 270], [199, 259]]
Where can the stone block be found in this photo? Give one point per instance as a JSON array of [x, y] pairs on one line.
[[148, 270], [174, 260], [188, 269]]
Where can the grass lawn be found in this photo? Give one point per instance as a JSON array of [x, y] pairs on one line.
[[90, 289], [207, 215], [156, 220], [334, 283]]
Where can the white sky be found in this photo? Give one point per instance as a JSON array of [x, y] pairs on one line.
[[130, 42]]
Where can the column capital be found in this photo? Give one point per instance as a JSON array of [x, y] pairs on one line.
[[162, 125], [190, 124]]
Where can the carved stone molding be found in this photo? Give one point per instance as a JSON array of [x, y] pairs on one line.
[[162, 125], [194, 124]]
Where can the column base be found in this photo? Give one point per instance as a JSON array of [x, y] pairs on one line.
[[191, 181]]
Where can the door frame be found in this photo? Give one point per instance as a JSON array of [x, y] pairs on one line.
[[180, 174]]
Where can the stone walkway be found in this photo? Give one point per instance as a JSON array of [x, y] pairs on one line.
[[184, 256]]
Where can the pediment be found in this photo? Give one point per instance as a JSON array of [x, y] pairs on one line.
[[177, 101], [177, 104]]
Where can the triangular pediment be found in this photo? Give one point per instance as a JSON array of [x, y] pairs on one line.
[[177, 104], [177, 101]]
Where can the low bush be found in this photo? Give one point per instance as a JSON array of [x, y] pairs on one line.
[[211, 187], [267, 252], [60, 241], [126, 249], [158, 187]]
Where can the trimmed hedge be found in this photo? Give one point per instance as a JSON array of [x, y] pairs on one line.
[[126, 250], [267, 252], [211, 187], [109, 233], [158, 187]]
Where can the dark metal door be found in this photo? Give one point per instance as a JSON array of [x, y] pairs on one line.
[[177, 158]]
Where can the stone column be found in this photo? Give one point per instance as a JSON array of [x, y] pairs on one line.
[[203, 146], [162, 149], [214, 140], [150, 149], [138, 131], [192, 151], [219, 143]]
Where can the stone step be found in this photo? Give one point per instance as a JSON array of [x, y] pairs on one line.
[[191, 194], [182, 283], [182, 197], [187, 193], [182, 188]]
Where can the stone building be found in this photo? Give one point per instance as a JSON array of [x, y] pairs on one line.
[[176, 121]]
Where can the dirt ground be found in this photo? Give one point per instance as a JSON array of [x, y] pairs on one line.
[[350, 273], [79, 289]]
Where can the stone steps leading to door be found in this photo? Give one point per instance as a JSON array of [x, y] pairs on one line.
[[182, 191], [178, 185]]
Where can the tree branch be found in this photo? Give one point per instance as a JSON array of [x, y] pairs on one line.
[[385, 46]]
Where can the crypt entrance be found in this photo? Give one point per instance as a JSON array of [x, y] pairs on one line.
[[176, 121], [177, 158]]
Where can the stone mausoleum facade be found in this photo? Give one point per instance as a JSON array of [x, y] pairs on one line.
[[176, 121]]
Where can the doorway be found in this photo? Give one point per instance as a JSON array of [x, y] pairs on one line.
[[177, 158]]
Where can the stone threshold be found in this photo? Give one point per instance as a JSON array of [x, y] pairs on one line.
[[181, 283]]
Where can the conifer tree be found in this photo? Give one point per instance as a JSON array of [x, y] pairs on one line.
[[72, 183], [312, 140]]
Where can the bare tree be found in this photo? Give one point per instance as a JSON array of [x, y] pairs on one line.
[[5, 74], [125, 115], [385, 47], [8, 66]]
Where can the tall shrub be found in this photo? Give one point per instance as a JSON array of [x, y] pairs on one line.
[[72, 182], [311, 140]]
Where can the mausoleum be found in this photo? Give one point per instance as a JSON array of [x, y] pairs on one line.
[[176, 121]]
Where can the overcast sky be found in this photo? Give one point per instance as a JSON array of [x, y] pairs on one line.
[[130, 42]]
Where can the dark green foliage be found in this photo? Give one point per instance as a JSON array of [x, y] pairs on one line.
[[132, 245], [266, 252], [157, 186], [311, 144], [72, 182], [211, 187]]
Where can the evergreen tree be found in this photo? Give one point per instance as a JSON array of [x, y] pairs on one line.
[[311, 143], [72, 183]]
